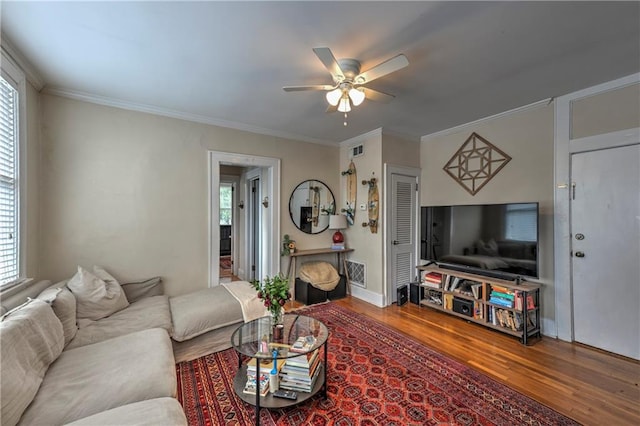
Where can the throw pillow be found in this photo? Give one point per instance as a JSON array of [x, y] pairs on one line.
[[96, 299], [64, 306], [32, 338], [147, 288]]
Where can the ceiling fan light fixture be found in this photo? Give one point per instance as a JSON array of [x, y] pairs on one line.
[[344, 105], [356, 95], [333, 97]]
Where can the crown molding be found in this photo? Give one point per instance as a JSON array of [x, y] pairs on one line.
[[165, 112], [33, 76], [361, 138], [543, 102]]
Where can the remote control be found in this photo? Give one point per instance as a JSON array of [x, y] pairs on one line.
[[287, 394]]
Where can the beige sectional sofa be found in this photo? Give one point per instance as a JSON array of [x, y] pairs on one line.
[[118, 370]]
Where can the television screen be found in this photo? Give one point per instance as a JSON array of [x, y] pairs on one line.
[[495, 239]]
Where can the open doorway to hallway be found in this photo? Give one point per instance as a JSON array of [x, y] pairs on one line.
[[250, 217]]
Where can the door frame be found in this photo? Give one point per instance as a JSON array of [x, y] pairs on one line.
[[252, 203], [270, 247], [565, 145], [389, 170]]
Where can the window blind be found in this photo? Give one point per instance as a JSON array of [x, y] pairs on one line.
[[9, 268], [522, 222]]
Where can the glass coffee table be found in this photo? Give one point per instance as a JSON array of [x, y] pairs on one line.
[[252, 339]]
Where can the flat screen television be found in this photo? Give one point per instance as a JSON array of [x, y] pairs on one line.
[[499, 240]]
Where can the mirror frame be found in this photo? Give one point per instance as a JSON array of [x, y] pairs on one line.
[[325, 225]]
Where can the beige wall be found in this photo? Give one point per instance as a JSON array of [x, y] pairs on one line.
[[606, 112], [527, 136], [400, 152], [32, 182], [367, 246], [128, 190]]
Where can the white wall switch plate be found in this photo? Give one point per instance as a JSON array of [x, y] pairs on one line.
[[363, 206]]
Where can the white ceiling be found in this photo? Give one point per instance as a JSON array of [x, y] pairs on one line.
[[226, 62]]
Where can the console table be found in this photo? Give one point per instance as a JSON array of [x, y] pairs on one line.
[[342, 262]]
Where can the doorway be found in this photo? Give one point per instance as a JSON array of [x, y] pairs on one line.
[[605, 246], [401, 228], [269, 224], [230, 223]]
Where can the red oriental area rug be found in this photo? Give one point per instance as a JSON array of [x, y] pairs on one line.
[[376, 376]]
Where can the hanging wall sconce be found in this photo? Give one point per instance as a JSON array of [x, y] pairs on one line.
[[265, 202], [241, 204]]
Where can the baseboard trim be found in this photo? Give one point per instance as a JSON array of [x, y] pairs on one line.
[[367, 296]]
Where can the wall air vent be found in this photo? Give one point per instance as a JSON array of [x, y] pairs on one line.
[[357, 151], [357, 273]]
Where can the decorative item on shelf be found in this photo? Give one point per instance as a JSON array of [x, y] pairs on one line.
[[275, 293], [288, 246], [338, 222], [352, 183], [372, 204], [476, 163]]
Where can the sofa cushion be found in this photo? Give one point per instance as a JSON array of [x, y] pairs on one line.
[[94, 378], [63, 303], [153, 412], [140, 289], [205, 310], [150, 312], [32, 338], [95, 297]]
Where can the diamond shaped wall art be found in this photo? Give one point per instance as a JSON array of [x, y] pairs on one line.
[[475, 163]]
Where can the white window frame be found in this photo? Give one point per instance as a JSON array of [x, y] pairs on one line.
[[12, 73]]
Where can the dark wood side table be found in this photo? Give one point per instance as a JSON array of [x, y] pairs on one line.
[[342, 264]]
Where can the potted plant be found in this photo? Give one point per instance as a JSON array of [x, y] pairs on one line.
[[275, 293]]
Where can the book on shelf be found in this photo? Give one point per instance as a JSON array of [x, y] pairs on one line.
[[266, 365], [518, 301], [251, 384], [431, 279], [304, 360], [448, 301], [299, 381], [476, 290], [337, 246]]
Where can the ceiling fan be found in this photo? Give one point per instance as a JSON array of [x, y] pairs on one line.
[[349, 83]]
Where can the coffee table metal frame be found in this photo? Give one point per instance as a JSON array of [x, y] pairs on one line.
[[246, 341]]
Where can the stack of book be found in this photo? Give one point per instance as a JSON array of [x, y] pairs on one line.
[[266, 365], [301, 372], [337, 246], [303, 344], [251, 385], [501, 296], [432, 279], [518, 301]]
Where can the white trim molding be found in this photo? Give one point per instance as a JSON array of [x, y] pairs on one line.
[[455, 129], [33, 77], [166, 112], [271, 241], [564, 146]]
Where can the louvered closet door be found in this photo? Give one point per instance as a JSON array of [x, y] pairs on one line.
[[403, 231]]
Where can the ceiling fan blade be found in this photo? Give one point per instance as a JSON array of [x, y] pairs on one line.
[[313, 87], [374, 95], [331, 109], [329, 61], [380, 70]]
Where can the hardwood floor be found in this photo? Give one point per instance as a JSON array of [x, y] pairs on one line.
[[590, 386]]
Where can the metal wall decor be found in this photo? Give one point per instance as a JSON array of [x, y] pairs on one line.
[[475, 163]]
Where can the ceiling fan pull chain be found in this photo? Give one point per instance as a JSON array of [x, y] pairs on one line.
[[345, 118]]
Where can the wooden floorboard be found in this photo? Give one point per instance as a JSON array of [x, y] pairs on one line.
[[591, 386]]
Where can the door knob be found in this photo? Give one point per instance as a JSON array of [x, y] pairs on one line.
[[579, 254], [394, 242]]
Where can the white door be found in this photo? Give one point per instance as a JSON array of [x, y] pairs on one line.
[[403, 230], [605, 235]]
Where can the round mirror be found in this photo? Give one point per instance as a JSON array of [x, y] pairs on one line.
[[310, 206]]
